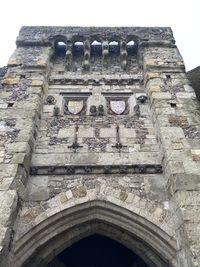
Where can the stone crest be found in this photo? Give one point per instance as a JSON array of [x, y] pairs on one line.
[[75, 106], [118, 106]]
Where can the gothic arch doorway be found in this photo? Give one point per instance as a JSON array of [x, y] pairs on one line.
[[97, 251], [59, 232]]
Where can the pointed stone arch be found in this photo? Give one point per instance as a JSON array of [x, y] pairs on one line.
[[59, 231]]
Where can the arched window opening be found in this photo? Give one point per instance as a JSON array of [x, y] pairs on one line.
[[60, 48], [78, 48], [98, 251], [96, 48], [114, 47], [131, 47]]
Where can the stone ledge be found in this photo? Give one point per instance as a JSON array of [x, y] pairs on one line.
[[94, 169]]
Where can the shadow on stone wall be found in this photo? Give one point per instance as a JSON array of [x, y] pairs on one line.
[[194, 77]]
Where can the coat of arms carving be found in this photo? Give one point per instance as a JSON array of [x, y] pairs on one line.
[[117, 106], [75, 106]]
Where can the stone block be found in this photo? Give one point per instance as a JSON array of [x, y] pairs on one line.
[[10, 81], [148, 63], [191, 214], [35, 90], [4, 235], [186, 95], [3, 105], [48, 109], [188, 88], [69, 194], [37, 83], [108, 132], [85, 132], [172, 132], [79, 192], [5, 183], [160, 95], [5, 219], [177, 145], [66, 132], [196, 157], [37, 188], [42, 62], [186, 182], [13, 62], [177, 120], [174, 167], [187, 198], [191, 166], [8, 199], [195, 154], [8, 170], [151, 75], [21, 158], [127, 133], [18, 147], [154, 88]]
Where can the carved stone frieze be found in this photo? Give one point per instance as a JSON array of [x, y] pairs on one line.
[[102, 81], [96, 169], [50, 100]]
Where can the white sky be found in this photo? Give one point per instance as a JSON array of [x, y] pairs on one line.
[[182, 15]]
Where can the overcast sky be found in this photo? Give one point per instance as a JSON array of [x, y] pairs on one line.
[[183, 16]]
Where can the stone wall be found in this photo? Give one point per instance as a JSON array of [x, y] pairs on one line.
[[175, 112], [193, 76], [21, 102], [119, 130]]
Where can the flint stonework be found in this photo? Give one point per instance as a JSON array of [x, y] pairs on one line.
[[103, 140]]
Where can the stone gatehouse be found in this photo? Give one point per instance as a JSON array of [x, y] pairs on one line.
[[99, 144]]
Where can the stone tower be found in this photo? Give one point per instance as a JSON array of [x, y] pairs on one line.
[[99, 134]]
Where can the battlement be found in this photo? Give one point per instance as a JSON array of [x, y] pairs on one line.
[[45, 35]]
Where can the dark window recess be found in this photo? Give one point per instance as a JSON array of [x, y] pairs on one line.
[[173, 105], [96, 48], [10, 105], [114, 48], [131, 47], [78, 49], [60, 48]]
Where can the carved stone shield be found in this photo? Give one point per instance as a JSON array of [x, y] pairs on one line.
[[117, 106], [75, 106]]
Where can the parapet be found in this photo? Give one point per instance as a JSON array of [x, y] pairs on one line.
[[44, 35]]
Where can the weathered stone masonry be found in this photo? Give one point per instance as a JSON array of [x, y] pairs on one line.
[[99, 133]]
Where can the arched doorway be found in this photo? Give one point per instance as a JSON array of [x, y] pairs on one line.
[[44, 242], [97, 251]]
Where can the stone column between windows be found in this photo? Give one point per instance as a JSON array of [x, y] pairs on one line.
[[123, 55], [86, 60]]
